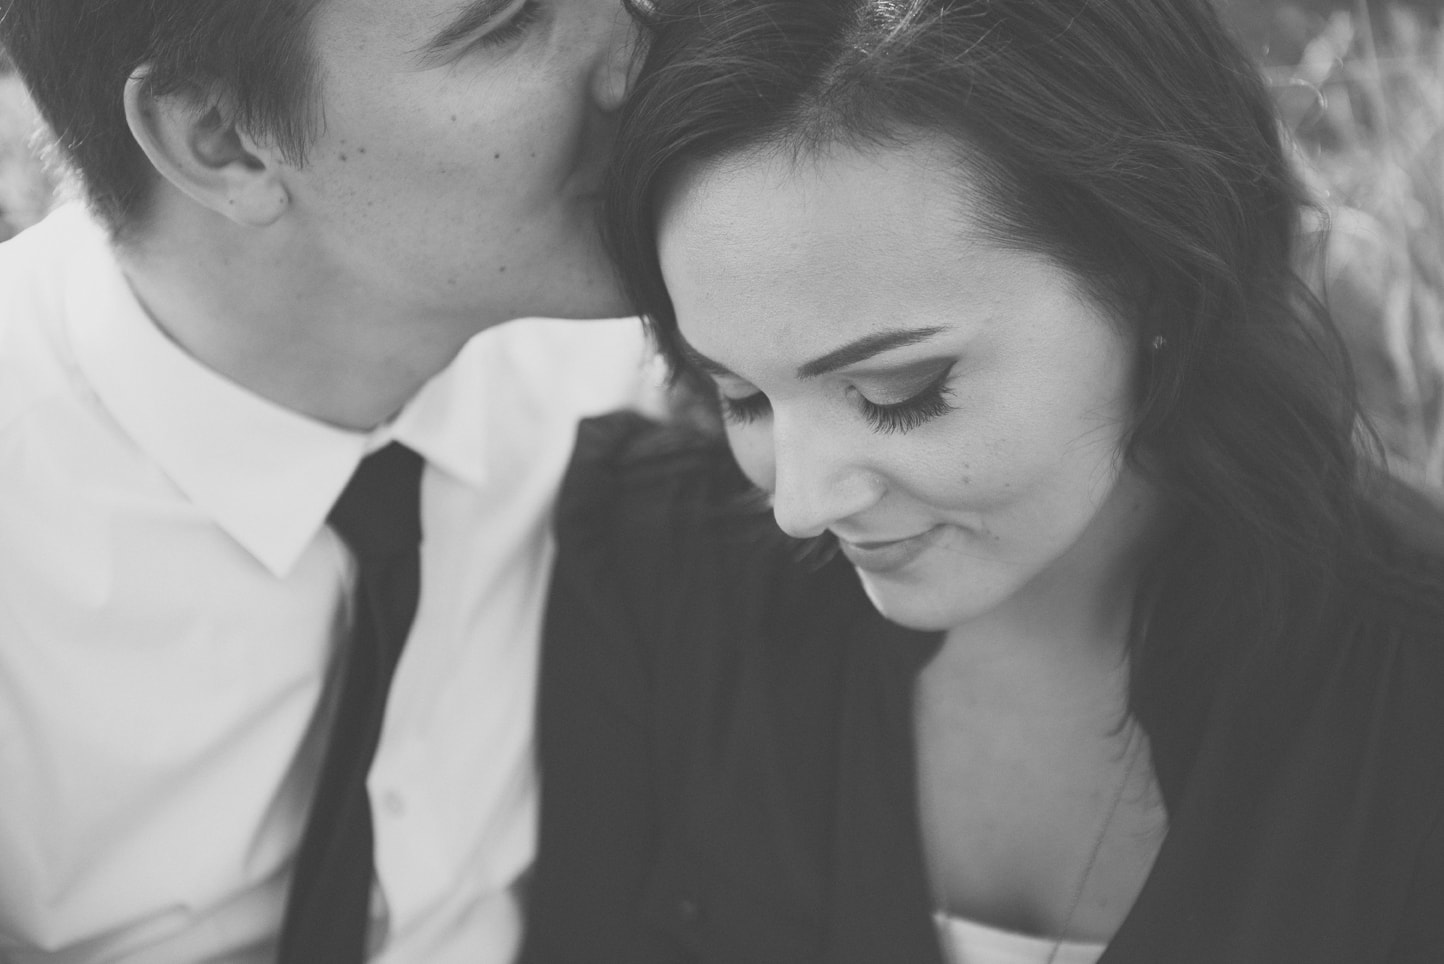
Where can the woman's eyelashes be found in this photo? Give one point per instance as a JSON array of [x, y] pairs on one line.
[[744, 409], [904, 416], [924, 405]]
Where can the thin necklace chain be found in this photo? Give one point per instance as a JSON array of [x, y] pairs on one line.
[[1093, 853]]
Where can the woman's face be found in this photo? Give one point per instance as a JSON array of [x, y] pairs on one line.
[[952, 410]]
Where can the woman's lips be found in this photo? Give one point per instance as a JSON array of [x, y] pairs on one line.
[[888, 555]]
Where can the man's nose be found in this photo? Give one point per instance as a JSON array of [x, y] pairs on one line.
[[818, 480]]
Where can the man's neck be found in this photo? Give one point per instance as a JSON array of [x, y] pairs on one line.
[[254, 307]]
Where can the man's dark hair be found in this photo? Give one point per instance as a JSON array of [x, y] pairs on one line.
[[253, 56]]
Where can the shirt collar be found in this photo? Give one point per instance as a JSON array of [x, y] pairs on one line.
[[447, 421], [264, 474]]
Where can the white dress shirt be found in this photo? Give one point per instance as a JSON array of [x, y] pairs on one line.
[[170, 598], [968, 942]]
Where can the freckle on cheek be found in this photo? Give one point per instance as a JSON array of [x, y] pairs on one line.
[[501, 270], [496, 157]]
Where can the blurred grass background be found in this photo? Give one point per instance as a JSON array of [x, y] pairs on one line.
[[1360, 88]]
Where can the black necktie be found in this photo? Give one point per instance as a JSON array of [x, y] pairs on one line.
[[379, 518]]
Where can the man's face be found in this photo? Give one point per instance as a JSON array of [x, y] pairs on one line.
[[457, 172]]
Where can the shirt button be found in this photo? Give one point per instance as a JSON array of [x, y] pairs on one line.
[[393, 802]]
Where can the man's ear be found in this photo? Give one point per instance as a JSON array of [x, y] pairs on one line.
[[196, 147]]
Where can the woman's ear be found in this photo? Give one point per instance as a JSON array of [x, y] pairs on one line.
[[196, 147]]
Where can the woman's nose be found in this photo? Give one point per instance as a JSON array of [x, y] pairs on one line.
[[818, 481]]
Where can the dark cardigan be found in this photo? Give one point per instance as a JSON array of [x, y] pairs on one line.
[[728, 774]]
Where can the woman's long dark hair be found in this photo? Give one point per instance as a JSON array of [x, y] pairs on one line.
[[1132, 142]]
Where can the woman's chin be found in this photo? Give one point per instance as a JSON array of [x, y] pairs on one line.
[[913, 607]]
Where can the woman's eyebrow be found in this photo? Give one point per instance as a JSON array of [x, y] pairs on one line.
[[849, 354], [864, 348]]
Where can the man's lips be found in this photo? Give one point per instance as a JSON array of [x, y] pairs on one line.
[[888, 555]]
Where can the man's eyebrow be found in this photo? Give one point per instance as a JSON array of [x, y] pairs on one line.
[[865, 348], [472, 18], [849, 354]]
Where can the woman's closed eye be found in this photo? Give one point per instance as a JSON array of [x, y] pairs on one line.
[[887, 418], [917, 409], [743, 409]]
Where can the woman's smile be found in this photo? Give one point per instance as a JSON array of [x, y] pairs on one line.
[[881, 556]]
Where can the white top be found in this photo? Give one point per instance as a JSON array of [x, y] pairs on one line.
[[972, 943], [169, 599]]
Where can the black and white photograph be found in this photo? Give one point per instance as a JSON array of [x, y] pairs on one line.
[[721, 482]]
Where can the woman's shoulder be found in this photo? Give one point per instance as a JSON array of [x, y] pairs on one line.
[[656, 520], [1390, 613], [1399, 584], [636, 478], [628, 447]]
